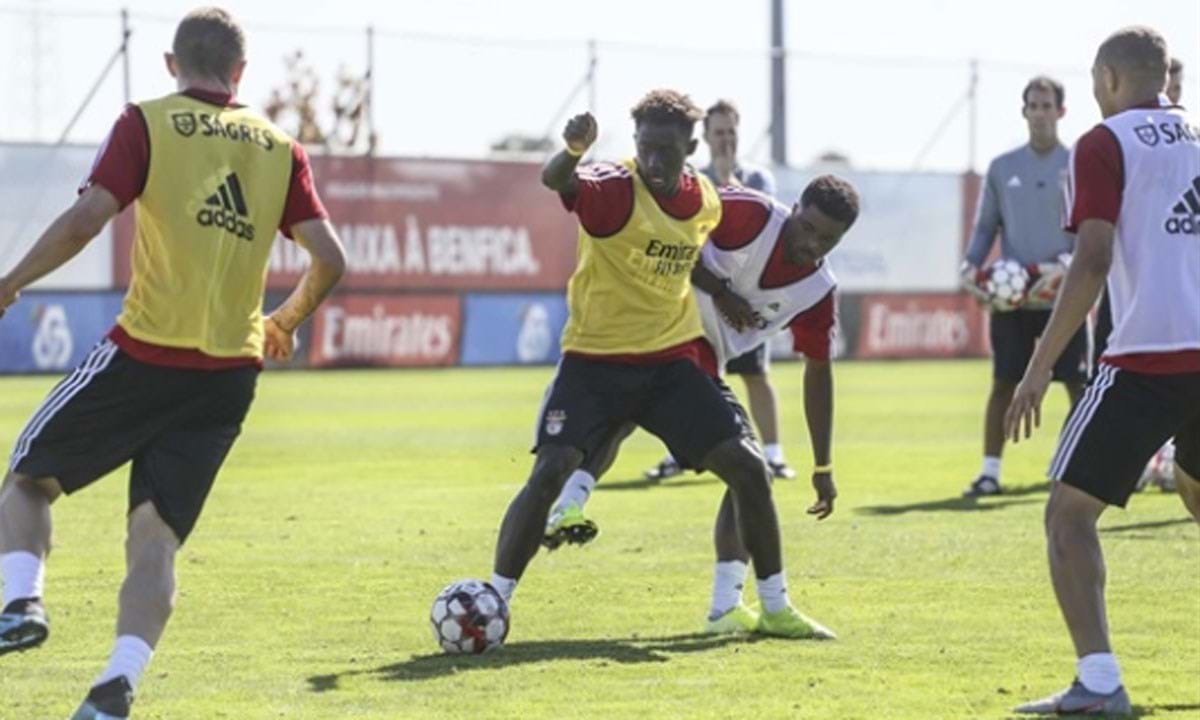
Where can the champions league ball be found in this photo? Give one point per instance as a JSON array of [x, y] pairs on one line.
[[469, 616], [1006, 285]]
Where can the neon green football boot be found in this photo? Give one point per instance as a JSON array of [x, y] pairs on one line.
[[738, 619], [569, 525], [791, 623]]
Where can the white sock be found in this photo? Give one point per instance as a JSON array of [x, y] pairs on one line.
[[504, 585], [728, 580], [576, 491], [991, 467], [130, 656], [772, 591], [24, 575], [1100, 673], [774, 453]]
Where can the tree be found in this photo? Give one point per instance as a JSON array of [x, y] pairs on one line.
[[295, 105]]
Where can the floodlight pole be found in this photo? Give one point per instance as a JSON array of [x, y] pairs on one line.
[[593, 58], [778, 87], [370, 90], [973, 114], [125, 33]]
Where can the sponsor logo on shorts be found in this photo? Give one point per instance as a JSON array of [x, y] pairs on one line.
[[226, 209], [555, 419], [1185, 215]]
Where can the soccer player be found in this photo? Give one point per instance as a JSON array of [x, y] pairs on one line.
[[721, 136], [761, 272], [1022, 198], [633, 343], [1135, 205], [170, 385]]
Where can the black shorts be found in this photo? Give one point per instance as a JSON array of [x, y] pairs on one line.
[[1014, 335], [1118, 425], [175, 425], [690, 411], [754, 362]]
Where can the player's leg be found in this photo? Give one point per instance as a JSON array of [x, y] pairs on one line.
[[1122, 418], [567, 522], [764, 408], [25, 529], [67, 444], [693, 413], [1012, 345], [577, 415], [1187, 466], [169, 482]]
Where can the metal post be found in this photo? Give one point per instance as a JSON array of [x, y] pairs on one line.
[[779, 151], [593, 58], [370, 90], [972, 115], [125, 32]]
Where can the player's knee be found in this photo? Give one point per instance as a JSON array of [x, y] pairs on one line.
[[554, 463], [46, 487], [1003, 388], [741, 467]]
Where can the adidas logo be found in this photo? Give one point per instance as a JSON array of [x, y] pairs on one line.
[[226, 209], [1186, 213]]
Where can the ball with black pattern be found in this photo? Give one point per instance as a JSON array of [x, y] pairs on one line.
[[469, 617]]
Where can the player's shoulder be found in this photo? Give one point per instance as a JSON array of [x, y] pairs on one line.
[[1006, 161], [604, 171], [744, 215], [757, 177]]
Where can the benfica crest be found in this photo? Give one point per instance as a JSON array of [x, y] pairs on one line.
[[184, 122], [555, 419], [1148, 134]]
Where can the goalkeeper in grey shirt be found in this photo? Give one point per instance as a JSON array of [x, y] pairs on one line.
[[1022, 198]]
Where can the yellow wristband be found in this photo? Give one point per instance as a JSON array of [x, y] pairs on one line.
[[573, 152], [823, 469]]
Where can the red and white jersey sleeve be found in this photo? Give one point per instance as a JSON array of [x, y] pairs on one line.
[[812, 330]]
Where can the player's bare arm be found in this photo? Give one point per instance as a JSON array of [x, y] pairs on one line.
[[63, 240], [328, 263], [1081, 287], [818, 412], [559, 172], [733, 307]]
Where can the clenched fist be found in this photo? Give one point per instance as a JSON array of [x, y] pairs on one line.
[[581, 132]]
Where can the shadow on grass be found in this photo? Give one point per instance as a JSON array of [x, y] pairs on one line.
[[1148, 525], [1140, 711], [622, 651], [961, 504], [645, 483]]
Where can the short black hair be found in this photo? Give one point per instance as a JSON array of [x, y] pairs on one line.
[[722, 107], [833, 196], [668, 106], [1175, 67], [1139, 51], [1044, 82], [209, 43]]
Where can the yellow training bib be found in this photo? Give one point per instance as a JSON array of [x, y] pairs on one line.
[[632, 292], [214, 196]]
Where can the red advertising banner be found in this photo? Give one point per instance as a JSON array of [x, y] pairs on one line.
[[430, 224], [921, 326], [386, 330]]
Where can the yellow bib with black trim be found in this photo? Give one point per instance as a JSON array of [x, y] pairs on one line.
[[215, 193], [632, 291]]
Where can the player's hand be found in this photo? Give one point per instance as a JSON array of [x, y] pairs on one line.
[[736, 311], [1026, 406], [581, 132], [8, 296], [826, 492], [278, 344], [973, 280], [1045, 280]]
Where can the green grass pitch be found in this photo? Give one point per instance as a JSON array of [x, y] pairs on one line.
[[353, 497]]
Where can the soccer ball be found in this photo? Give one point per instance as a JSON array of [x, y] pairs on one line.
[[469, 616], [1006, 285]]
